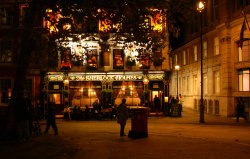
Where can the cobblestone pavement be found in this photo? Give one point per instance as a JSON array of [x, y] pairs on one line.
[[168, 137]]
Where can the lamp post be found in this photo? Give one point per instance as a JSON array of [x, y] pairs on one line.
[[145, 82], [200, 9], [177, 68]]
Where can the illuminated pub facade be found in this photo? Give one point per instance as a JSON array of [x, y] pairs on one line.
[[104, 65]]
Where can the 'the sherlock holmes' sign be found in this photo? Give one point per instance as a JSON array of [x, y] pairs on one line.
[[115, 76]]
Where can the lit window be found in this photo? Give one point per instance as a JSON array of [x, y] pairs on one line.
[[216, 46], [243, 76], [106, 24], [92, 59], [184, 57], [216, 82], [195, 53], [176, 59], [205, 49], [51, 20], [156, 21], [195, 84]]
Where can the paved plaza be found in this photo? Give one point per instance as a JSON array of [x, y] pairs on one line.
[[168, 137]]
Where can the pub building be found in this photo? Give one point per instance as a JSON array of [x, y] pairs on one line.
[[86, 73], [103, 65]]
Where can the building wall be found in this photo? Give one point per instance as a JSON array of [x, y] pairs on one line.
[[220, 101]]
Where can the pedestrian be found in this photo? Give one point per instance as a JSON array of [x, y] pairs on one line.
[[169, 105], [157, 104], [96, 108], [180, 102], [51, 119], [122, 116], [240, 110]]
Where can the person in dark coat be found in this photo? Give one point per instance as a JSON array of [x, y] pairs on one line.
[[51, 119], [240, 111], [122, 116], [157, 104]]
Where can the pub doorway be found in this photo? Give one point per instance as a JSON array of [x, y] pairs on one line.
[[56, 98]]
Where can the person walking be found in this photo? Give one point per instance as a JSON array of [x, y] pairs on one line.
[[157, 104], [51, 119], [122, 116], [240, 111]]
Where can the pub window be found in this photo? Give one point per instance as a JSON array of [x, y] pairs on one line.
[[6, 51], [243, 77], [65, 59], [106, 24], [5, 90], [6, 16], [144, 60], [51, 20], [118, 56], [92, 59], [157, 21]]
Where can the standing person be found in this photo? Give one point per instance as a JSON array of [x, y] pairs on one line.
[[157, 104], [51, 119], [180, 102], [122, 116], [96, 107], [240, 110]]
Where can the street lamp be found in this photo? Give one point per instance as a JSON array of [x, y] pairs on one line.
[[177, 68], [200, 8], [145, 82]]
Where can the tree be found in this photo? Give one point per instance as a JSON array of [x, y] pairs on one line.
[[128, 12]]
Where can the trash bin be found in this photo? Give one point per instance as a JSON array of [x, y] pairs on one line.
[[139, 122]]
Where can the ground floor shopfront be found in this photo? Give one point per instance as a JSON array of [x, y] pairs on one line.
[[82, 89]]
